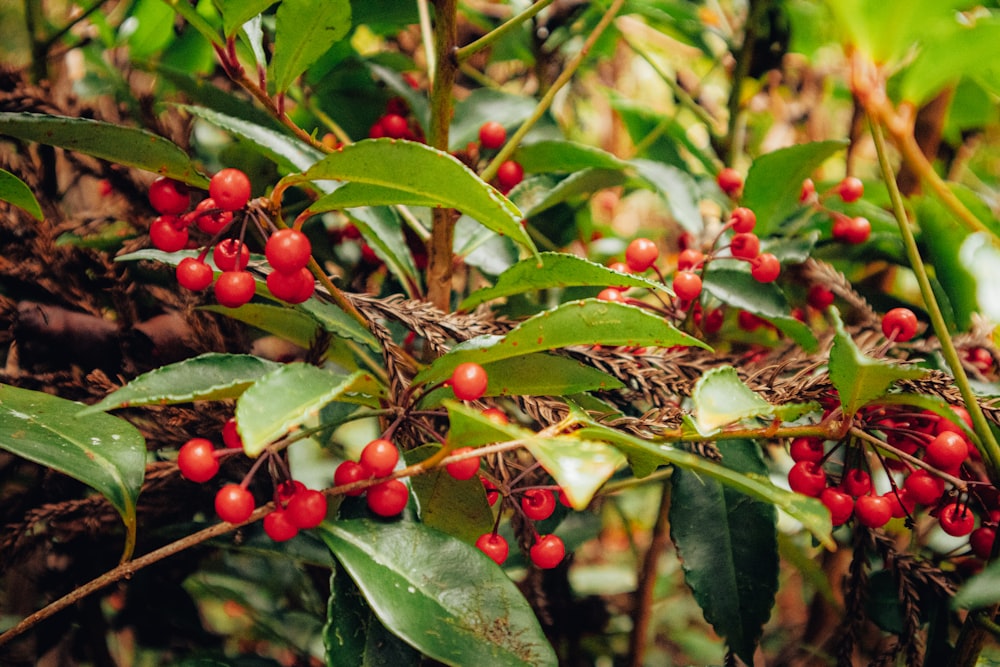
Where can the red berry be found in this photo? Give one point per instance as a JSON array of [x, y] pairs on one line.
[[611, 294], [165, 235], [852, 230], [494, 546], [288, 250], [819, 297], [850, 189], [640, 254], [279, 527], [743, 219], [193, 274], [730, 181], [856, 482], [231, 434], [961, 415], [807, 478], [924, 487], [379, 457], [230, 188], [957, 519], [388, 498], [196, 460], [294, 287], [168, 196], [306, 509], [496, 415], [491, 491], [765, 268], [464, 469], [806, 449], [687, 285], [394, 126], [492, 135], [872, 511], [547, 552], [981, 540], [947, 451], [284, 491], [808, 191], [689, 258], [538, 504], [234, 288], [234, 504], [209, 218], [349, 472], [509, 174], [748, 322], [900, 502], [231, 255], [469, 381], [840, 504], [745, 246], [899, 324]]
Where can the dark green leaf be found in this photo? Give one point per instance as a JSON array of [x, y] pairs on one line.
[[545, 375], [382, 229], [732, 568], [442, 596], [208, 377], [123, 145], [942, 237], [15, 191], [424, 172], [584, 182], [553, 270], [565, 157], [457, 507], [774, 181], [858, 378], [339, 323], [678, 188], [237, 12], [720, 398], [585, 322], [291, 324], [304, 30], [287, 398], [100, 450]]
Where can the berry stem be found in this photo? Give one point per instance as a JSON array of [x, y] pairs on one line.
[[990, 447], [463, 54], [959, 484]]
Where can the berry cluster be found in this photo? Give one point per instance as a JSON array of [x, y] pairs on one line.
[[846, 229]]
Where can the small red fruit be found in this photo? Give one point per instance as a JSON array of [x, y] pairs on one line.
[[743, 219], [234, 504], [745, 246], [209, 218], [492, 135], [349, 472], [388, 498], [806, 449], [234, 288], [288, 250], [193, 274], [730, 181], [538, 504], [957, 519], [231, 434], [687, 285], [379, 457], [689, 258], [856, 482], [294, 287], [231, 255], [279, 527], [196, 460], [873, 511], [947, 451], [230, 188], [640, 254], [168, 196], [900, 502], [166, 235], [611, 294], [899, 324], [850, 189], [924, 487], [981, 540], [394, 126], [840, 504], [807, 478], [496, 415], [464, 469], [852, 230], [509, 174], [306, 509], [547, 552], [819, 297], [494, 546], [469, 381], [808, 191], [765, 268]]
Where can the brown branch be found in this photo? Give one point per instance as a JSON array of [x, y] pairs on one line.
[[642, 613]]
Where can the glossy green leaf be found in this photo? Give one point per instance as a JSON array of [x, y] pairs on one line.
[[419, 170], [552, 270], [774, 181], [100, 450], [543, 374], [732, 569], [304, 31], [740, 290], [286, 150], [565, 157], [580, 467], [442, 596], [16, 192], [585, 322], [582, 183], [959, 50], [208, 377], [291, 324], [645, 455], [858, 378], [678, 188], [720, 398], [284, 399], [457, 507], [196, 20], [237, 12], [382, 228], [339, 323], [942, 237], [120, 144], [151, 29]]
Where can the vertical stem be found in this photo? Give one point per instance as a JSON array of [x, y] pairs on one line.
[[439, 266], [642, 613], [754, 11]]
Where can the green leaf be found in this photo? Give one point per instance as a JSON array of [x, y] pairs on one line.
[[552, 270], [981, 253], [286, 398], [291, 324], [960, 50], [152, 24], [285, 150], [536, 200], [339, 323], [720, 398], [941, 239], [382, 228], [505, 108], [981, 590], [678, 188], [732, 568], [15, 191], [565, 157], [584, 322], [644, 456], [127, 146], [237, 12], [442, 596], [739, 289], [417, 169], [304, 31], [543, 374], [858, 378], [775, 180], [191, 15], [100, 450], [457, 507], [209, 377]]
